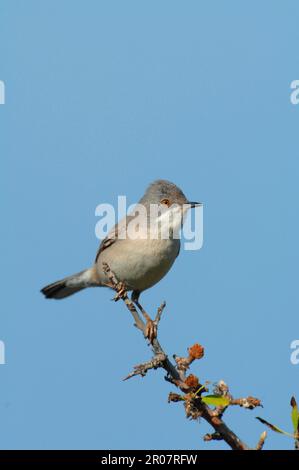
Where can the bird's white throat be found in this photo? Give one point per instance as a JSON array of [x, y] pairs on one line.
[[160, 223]]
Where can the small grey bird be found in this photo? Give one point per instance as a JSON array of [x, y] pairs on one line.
[[140, 262]]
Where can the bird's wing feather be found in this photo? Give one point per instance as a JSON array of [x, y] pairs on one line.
[[114, 234], [107, 241]]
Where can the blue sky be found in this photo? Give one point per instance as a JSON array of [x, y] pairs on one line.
[[101, 99]]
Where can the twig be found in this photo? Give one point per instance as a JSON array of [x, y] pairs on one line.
[[142, 369], [215, 436], [159, 312], [261, 441], [249, 402]]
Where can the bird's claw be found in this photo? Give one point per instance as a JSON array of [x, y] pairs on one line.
[[151, 330], [121, 292]]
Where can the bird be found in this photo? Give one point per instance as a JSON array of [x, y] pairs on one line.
[[140, 261]]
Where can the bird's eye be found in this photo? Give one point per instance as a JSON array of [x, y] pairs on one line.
[[166, 202]]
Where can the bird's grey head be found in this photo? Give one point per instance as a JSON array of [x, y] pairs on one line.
[[165, 192]]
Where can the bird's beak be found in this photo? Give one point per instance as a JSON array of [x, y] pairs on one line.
[[195, 204]]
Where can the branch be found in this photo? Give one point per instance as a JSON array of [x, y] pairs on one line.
[[173, 374], [176, 374]]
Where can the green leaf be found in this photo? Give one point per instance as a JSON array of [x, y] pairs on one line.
[[295, 415], [215, 400], [273, 427]]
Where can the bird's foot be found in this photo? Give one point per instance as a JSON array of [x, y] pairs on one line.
[[151, 329], [121, 291], [151, 326]]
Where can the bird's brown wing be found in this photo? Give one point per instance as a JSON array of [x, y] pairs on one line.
[[106, 242], [113, 235]]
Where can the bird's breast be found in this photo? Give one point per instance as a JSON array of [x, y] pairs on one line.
[[140, 263]]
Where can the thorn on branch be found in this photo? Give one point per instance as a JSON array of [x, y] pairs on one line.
[[142, 369], [159, 312]]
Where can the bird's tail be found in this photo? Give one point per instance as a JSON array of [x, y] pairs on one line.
[[69, 285]]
